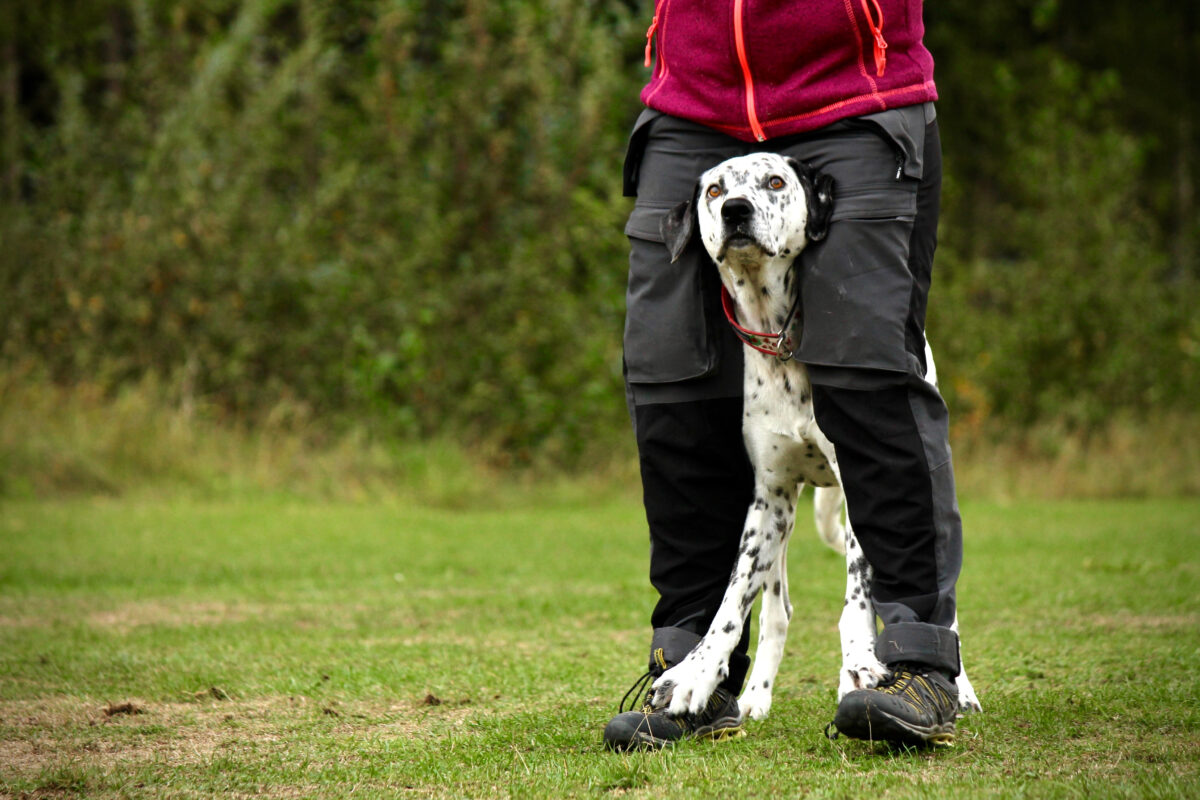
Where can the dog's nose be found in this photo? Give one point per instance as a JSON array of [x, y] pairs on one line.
[[737, 209]]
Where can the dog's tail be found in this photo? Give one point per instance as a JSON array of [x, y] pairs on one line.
[[828, 505]]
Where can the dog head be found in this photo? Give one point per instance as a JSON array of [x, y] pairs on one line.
[[763, 205]]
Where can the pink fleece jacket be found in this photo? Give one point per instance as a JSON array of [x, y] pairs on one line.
[[759, 69]]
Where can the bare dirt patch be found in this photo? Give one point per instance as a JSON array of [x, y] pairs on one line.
[[37, 735], [166, 613], [1145, 622], [113, 709]]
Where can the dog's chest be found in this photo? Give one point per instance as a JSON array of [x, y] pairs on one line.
[[781, 431]]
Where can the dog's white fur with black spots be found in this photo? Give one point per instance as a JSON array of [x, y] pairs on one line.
[[754, 214]]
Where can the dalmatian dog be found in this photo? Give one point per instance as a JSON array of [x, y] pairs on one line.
[[754, 214]]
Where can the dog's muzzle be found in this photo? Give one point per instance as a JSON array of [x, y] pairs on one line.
[[737, 210], [737, 214]]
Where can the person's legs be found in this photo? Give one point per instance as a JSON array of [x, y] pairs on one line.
[[684, 384], [899, 485], [697, 484], [864, 303], [889, 429]]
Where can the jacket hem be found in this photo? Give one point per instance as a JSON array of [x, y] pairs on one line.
[[869, 103]]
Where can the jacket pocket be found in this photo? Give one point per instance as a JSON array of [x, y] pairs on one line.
[[666, 332]]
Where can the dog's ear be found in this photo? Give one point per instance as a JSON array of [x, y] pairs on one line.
[[679, 225], [820, 208], [818, 192]]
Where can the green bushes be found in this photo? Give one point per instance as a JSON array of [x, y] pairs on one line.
[[1061, 303], [406, 216], [404, 212]]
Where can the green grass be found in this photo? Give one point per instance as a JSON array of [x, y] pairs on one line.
[[305, 648]]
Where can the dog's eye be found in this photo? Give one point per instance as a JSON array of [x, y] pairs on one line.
[[714, 191], [775, 182]]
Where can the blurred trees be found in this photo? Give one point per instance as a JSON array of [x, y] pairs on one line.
[[407, 212], [1066, 281]]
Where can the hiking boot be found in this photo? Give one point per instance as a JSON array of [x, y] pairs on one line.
[[916, 706], [650, 727]]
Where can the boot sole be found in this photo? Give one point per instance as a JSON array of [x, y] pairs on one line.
[[898, 731], [643, 740]]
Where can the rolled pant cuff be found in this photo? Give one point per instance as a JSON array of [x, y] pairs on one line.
[[919, 643], [672, 645]]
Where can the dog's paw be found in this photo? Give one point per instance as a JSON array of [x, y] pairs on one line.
[[664, 692], [967, 701], [671, 695], [755, 703], [865, 674], [686, 687]]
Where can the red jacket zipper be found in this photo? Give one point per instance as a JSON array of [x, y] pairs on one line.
[[738, 36], [650, 37], [880, 45]]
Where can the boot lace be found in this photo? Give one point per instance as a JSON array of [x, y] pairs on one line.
[[911, 686], [642, 684]]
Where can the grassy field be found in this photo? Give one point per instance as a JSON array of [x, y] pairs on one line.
[[267, 647]]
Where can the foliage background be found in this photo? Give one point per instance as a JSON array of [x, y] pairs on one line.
[[403, 216]]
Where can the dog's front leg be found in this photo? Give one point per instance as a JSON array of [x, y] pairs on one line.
[[861, 669], [686, 687], [773, 621]]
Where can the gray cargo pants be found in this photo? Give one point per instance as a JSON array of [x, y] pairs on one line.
[[864, 298]]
